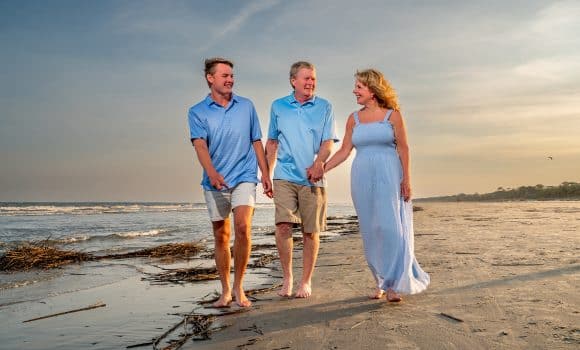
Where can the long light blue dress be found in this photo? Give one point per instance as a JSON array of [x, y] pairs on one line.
[[385, 219]]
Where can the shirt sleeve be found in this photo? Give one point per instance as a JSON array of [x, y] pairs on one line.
[[197, 129], [329, 132], [256, 131], [273, 131]]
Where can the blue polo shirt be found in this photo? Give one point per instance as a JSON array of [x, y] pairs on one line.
[[229, 132], [300, 129]]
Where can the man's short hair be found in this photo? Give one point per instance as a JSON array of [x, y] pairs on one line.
[[296, 66], [211, 63]]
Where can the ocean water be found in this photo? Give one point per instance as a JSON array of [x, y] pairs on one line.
[[111, 228]]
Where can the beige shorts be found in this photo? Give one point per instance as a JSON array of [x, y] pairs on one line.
[[300, 204]]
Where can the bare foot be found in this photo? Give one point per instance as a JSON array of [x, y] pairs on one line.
[[377, 294], [286, 290], [304, 291], [241, 299], [223, 301], [393, 296]]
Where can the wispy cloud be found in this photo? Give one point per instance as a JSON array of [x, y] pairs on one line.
[[239, 20]]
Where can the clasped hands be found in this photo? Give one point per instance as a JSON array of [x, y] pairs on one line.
[[315, 172]]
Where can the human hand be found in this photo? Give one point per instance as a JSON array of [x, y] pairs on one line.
[[267, 185], [315, 172], [217, 181], [406, 189]]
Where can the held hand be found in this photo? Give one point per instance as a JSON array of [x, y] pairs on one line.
[[217, 181], [406, 190], [267, 185], [315, 172]]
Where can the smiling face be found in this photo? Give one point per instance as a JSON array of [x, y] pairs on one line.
[[362, 93], [221, 80], [304, 83]]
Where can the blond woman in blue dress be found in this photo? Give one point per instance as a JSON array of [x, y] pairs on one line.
[[381, 187]]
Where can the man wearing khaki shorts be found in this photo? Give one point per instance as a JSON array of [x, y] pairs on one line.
[[225, 132], [300, 138]]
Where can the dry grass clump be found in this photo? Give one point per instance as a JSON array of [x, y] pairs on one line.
[[33, 255]]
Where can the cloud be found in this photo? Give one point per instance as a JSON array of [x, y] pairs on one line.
[[239, 20]]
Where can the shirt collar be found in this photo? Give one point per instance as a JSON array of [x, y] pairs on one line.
[[292, 99], [209, 101]]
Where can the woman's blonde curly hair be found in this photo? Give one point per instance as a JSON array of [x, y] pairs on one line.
[[385, 94]]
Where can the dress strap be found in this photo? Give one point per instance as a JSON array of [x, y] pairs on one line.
[[388, 115], [356, 120]]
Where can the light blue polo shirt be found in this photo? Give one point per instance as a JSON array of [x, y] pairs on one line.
[[300, 129], [229, 132]]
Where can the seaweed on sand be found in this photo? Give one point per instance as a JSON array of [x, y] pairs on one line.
[[39, 255], [181, 276]]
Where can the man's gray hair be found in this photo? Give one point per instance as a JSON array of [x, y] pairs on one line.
[[296, 66]]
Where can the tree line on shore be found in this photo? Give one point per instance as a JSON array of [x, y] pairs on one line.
[[565, 191]]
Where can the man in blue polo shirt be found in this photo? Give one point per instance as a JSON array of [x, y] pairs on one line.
[[225, 132], [300, 139]]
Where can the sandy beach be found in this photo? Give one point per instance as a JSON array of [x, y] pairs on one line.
[[503, 276], [514, 287]]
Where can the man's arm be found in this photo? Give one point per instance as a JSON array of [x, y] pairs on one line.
[[316, 171], [215, 178], [263, 165], [271, 153]]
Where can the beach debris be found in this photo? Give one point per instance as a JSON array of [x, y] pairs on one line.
[[39, 255], [183, 250], [90, 307], [45, 256], [139, 345], [417, 208], [456, 319], [248, 342], [198, 326], [249, 292], [359, 323], [253, 328], [263, 246], [263, 260], [180, 276]]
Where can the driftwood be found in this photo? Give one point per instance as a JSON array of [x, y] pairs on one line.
[[456, 319], [139, 345], [90, 307]]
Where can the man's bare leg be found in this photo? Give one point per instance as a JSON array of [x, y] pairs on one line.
[[221, 232], [242, 249], [309, 255], [285, 244]]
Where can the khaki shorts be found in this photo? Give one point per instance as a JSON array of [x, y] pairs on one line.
[[300, 204]]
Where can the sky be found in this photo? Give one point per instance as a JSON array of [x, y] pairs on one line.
[[94, 94]]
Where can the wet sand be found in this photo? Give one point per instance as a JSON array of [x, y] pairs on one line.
[[502, 278]]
